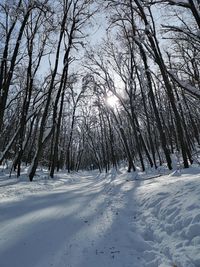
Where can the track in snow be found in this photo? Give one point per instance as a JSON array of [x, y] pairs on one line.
[[76, 224], [87, 220]]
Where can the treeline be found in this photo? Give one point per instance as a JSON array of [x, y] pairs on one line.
[[134, 98]]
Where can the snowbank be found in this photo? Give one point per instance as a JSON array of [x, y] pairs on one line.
[[107, 220]]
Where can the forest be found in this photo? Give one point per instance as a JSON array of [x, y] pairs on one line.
[[88, 84], [99, 133]]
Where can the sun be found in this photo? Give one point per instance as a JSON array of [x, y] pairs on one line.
[[112, 101]]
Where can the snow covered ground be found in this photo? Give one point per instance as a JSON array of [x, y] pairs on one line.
[[92, 220]]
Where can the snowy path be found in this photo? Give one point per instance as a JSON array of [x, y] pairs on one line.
[[76, 224], [91, 221]]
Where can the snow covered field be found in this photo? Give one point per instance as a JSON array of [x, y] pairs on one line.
[[92, 220]]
